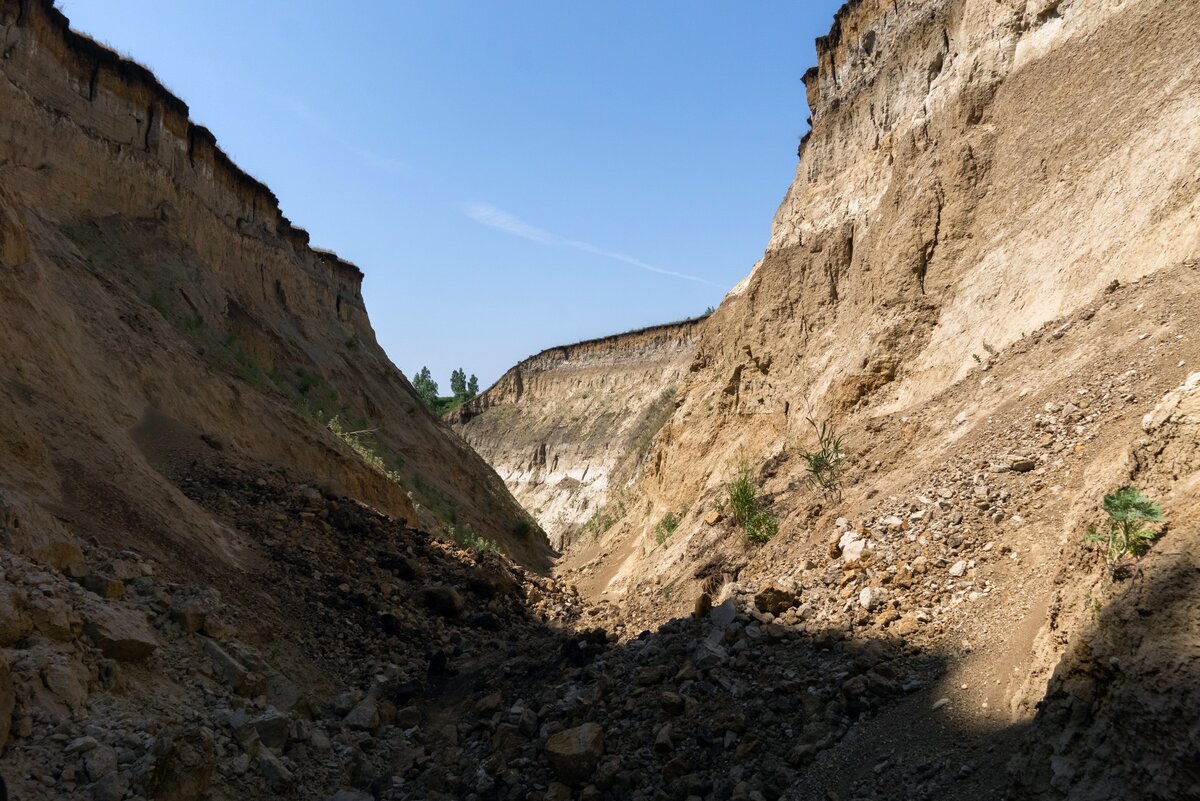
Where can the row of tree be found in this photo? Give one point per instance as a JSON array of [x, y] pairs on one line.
[[461, 387]]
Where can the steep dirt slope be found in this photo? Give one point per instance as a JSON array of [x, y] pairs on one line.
[[567, 429], [148, 283]]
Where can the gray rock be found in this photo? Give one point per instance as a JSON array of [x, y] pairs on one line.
[[99, 762], [111, 787], [364, 716], [575, 753], [351, 795], [872, 598], [723, 613], [274, 771], [272, 729], [958, 568], [230, 671], [81, 745], [853, 550]]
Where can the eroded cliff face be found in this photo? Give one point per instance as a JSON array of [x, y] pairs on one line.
[[150, 286], [982, 276], [568, 429], [976, 170]]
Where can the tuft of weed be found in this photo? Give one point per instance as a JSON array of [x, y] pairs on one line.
[[824, 464], [466, 538], [1127, 534], [356, 441], [667, 526], [746, 508]]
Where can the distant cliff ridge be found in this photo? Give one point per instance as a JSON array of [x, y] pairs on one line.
[[567, 428]]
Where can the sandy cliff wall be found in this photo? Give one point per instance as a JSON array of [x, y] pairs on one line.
[[149, 281], [975, 170], [986, 258], [567, 429]]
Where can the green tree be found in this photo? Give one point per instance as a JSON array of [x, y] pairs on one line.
[[426, 387], [458, 384], [472, 387]]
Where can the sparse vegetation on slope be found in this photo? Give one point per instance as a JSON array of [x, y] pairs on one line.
[[1126, 535], [748, 509], [667, 526], [824, 464]]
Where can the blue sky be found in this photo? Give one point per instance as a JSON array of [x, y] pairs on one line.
[[509, 175]]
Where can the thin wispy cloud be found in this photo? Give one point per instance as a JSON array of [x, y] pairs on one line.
[[306, 113], [501, 220]]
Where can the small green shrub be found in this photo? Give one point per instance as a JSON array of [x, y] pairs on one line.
[[466, 538], [667, 526], [761, 526], [1127, 535], [825, 463], [355, 440], [521, 529], [747, 510]]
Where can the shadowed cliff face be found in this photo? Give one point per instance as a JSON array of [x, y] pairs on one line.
[[569, 428], [147, 281]]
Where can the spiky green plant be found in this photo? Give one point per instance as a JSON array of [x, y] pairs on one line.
[[1127, 534], [747, 510], [824, 464]]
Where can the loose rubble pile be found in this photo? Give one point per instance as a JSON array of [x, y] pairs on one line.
[[379, 662]]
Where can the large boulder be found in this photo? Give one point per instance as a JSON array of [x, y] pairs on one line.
[[575, 753], [120, 633], [776, 598]]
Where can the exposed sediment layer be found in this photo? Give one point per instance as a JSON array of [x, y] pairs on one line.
[[567, 429]]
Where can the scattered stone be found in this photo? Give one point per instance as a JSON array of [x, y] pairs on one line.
[[575, 753], [444, 600], [183, 767], [871, 598], [775, 598], [15, 624]]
